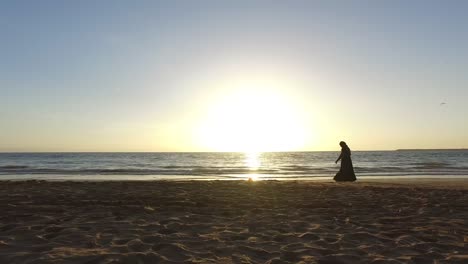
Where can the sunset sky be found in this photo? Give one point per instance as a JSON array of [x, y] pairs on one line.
[[233, 75]]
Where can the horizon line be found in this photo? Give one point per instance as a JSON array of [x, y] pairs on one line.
[[292, 151]]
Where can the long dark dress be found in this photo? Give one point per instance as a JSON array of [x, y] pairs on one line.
[[346, 172]]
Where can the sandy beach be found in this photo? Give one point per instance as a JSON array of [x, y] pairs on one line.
[[234, 222]]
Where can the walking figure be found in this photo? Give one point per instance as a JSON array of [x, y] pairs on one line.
[[346, 172]]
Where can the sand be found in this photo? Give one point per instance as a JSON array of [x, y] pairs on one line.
[[233, 222]]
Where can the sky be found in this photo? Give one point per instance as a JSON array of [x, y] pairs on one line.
[[232, 75]]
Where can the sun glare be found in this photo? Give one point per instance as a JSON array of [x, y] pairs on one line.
[[252, 162], [252, 121]]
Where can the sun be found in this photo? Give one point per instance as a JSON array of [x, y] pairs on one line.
[[252, 120]]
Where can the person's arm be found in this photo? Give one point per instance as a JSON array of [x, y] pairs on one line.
[[341, 155]]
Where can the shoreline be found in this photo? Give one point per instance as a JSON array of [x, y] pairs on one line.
[[240, 177]]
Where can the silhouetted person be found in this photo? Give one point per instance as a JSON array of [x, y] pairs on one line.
[[346, 172]]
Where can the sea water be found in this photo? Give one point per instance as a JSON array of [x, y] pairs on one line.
[[221, 165]]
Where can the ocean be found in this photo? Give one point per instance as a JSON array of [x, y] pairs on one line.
[[221, 165]]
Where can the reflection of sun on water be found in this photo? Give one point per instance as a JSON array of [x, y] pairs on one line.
[[252, 162]]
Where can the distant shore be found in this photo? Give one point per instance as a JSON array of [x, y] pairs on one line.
[[369, 221], [455, 149]]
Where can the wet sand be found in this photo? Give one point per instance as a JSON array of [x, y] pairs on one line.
[[234, 222]]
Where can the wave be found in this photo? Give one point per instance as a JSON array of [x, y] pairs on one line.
[[379, 169], [431, 165], [13, 167], [277, 172], [194, 171]]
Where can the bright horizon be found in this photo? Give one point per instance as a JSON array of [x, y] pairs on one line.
[[243, 76]]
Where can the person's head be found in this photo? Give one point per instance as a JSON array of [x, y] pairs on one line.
[[342, 144]]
